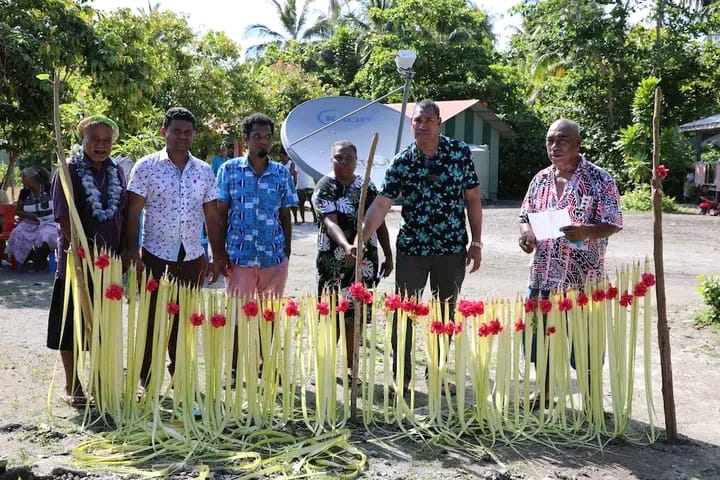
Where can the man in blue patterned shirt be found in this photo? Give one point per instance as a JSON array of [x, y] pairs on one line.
[[255, 195], [436, 179]]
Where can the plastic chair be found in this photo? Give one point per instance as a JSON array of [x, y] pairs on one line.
[[7, 212]]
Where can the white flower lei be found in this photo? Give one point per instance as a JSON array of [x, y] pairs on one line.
[[93, 195]]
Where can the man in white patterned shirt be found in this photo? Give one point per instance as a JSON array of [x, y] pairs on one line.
[[178, 193]]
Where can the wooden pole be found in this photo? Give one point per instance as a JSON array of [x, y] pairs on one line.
[[358, 320], [77, 234], [662, 325]]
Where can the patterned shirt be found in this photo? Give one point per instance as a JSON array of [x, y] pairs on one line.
[[591, 198], [433, 197], [174, 202], [335, 269], [255, 237]]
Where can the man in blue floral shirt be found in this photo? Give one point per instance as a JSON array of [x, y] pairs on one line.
[[436, 180]]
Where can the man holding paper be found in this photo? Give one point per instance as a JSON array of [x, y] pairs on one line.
[[569, 211]]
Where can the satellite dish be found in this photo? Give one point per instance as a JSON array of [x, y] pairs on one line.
[[312, 152]]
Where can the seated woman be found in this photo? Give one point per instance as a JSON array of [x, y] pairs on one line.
[[707, 201], [37, 228]]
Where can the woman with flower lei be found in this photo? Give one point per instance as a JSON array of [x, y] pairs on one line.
[[100, 198]]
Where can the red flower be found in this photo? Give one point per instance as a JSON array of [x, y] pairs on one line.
[[102, 261], [449, 328], [408, 305], [640, 290], [648, 279], [662, 172], [611, 292], [323, 308], [466, 308], [251, 308], [550, 331], [393, 302], [343, 305], [151, 285], [197, 319], [479, 307], [173, 308], [626, 299], [217, 320], [582, 299], [292, 309], [114, 292], [368, 297], [598, 295], [530, 305], [80, 252], [421, 310], [458, 328], [484, 330], [519, 325], [269, 315], [545, 306], [495, 326], [437, 327], [565, 305], [358, 291]]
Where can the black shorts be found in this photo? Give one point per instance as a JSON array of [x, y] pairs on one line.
[[55, 319]]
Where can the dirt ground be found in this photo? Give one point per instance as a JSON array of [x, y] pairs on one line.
[[32, 436]]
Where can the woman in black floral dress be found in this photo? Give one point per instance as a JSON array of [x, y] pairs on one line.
[[336, 201]]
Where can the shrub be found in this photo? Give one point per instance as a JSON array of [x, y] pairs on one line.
[[709, 288], [640, 200]]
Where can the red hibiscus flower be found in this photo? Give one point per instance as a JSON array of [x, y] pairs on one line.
[[197, 319], [102, 261], [323, 308], [530, 305], [437, 327], [151, 285], [648, 279], [218, 320], [173, 308], [626, 299], [114, 292], [611, 292], [421, 310], [550, 331], [545, 306], [269, 315], [466, 308], [343, 305], [519, 325], [495, 326], [80, 252], [598, 295], [640, 290], [393, 302], [662, 171], [565, 305], [408, 305], [251, 308], [292, 308], [582, 299]]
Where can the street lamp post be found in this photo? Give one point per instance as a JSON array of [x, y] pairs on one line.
[[404, 61]]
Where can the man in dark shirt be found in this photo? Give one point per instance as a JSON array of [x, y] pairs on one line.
[[436, 179]]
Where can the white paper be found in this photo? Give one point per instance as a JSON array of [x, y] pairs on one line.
[[547, 224]]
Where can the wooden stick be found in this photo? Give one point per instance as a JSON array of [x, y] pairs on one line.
[[77, 234], [358, 278], [662, 325]]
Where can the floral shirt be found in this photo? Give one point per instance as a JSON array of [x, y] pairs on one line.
[[335, 270], [433, 197], [591, 198], [255, 237], [174, 202]]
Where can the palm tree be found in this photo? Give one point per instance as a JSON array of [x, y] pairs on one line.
[[294, 23]]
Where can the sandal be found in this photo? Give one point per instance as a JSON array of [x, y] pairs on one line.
[[77, 401]]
